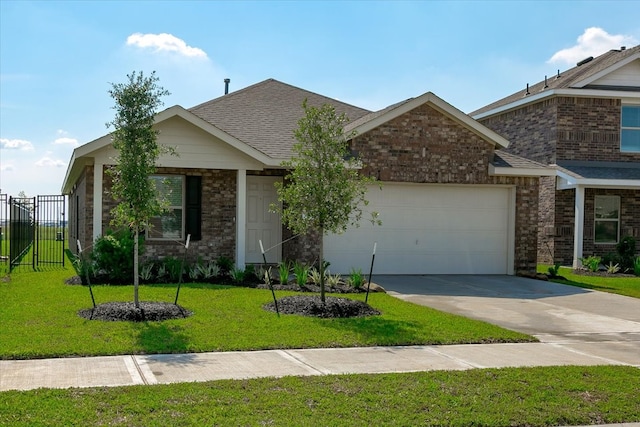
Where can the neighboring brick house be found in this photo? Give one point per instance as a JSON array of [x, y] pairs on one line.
[[452, 201], [585, 122]]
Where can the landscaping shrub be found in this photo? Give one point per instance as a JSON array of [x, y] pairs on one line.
[[238, 276], [553, 270], [113, 256], [301, 271], [209, 271], [592, 263], [626, 250], [284, 268], [356, 278], [174, 268], [225, 264]]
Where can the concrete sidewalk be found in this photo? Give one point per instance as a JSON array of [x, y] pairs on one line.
[[171, 368]]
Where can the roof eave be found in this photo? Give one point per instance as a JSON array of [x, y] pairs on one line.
[[568, 182], [85, 151], [515, 171], [579, 92]]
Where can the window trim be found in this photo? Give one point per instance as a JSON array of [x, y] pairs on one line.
[[632, 128], [597, 220], [172, 207]]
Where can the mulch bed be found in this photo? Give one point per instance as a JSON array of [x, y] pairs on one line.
[[126, 311], [304, 305], [582, 272], [311, 305]]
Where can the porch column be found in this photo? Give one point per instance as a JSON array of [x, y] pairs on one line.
[[578, 230], [97, 200], [241, 217]]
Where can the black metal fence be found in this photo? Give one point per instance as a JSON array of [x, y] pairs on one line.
[[4, 223], [50, 230], [32, 230], [22, 227]]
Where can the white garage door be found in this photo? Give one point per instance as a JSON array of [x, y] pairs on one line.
[[429, 229]]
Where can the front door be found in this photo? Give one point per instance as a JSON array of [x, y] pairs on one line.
[[262, 224]]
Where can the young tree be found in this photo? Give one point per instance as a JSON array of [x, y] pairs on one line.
[[324, 191], [136, 103]]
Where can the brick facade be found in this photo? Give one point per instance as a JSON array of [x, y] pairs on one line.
[[568, 128], [421, 146], [218, 215], [80, 217]]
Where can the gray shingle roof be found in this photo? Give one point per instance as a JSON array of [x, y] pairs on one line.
[[567, 79], [601, 170], [503, 159], [265, 114]]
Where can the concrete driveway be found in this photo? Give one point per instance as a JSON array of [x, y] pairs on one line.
[[587, 321]]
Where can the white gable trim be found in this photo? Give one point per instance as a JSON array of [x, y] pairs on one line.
[[443, 107], [608, 70]]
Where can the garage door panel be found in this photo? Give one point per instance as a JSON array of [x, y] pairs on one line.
[[438, 218], [428, 230]]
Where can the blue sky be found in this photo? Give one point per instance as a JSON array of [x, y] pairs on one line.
[[57, 59]]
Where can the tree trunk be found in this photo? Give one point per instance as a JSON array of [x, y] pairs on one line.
[[321, 268], [136, 279]]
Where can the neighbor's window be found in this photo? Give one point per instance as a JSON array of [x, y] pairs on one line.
[[607, 219], [630, 133], [170, 225]]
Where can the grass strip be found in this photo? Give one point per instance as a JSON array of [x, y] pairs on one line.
[[39, 318], [483, 397], [621, 285]]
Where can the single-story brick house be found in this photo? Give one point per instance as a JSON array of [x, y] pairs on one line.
[[452, 200], [585, 123]]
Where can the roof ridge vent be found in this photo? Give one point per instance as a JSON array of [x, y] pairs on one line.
[[584, 61]]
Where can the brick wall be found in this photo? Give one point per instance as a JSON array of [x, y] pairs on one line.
[[589, 129], [557, 129], [530, 130], [564, 217], [218, 217], [80, 220], [629, 219], [546, 220], [423, 145], [564, 128]]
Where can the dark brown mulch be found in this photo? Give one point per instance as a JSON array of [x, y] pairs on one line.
[[341, 288], [582, 272], [311, 305], [126, 311]]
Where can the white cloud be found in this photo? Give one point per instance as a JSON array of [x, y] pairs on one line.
[[16, 144], [593, 42], [66, 141], [49, 162], [164, 42], [6, 167]]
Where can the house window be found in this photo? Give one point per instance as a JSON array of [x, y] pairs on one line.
[[630, 129], [170, 225], [607, 219]]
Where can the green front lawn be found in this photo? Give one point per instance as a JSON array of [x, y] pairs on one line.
[[38, 318], [615, 284], [549, 396]]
